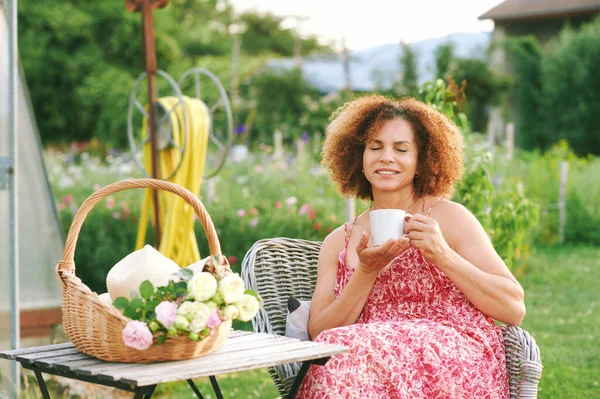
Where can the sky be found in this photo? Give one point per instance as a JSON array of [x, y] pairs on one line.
[[369, 23]]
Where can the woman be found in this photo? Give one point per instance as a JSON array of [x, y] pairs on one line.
[[418, 312]]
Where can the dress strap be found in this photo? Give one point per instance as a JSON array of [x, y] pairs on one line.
[[347, 233], [432, 205]]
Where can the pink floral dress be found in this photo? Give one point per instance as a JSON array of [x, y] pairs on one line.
[[418, 336]]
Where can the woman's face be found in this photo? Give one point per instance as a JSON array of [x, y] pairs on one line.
[[390, 157]]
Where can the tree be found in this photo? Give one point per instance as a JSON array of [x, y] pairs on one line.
[[81, 58], [280, 99], [570, 87], [408, 82], [444, 55], [264, 35], [526, 57], [483, 88], [556, 89]]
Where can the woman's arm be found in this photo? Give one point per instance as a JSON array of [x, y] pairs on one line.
[[466, 255], [327, 311]]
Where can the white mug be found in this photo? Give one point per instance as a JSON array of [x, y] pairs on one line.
[[386, 224]]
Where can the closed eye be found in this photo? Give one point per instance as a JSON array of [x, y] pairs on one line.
[[375, 148], [401, 150]]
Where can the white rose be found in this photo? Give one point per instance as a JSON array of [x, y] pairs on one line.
[[231, 288], [211, 305], [247, 306], [200, 318], [230, 312], [186, 308], [202, 286]]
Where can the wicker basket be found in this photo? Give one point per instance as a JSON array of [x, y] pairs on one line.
[[94, 327]]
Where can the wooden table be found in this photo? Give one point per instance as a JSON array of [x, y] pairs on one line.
[[243, 350]]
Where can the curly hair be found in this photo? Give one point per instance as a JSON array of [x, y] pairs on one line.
[[439, 143]]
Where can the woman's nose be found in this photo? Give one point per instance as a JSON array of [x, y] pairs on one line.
[[387, 155]]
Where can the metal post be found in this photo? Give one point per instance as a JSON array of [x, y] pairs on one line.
[[510, 140], [278, 141], [150, 55], [562, 200], [235, 60], [146, 6], [13, 187]]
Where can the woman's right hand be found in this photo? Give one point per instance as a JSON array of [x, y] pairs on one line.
[[373, 259]]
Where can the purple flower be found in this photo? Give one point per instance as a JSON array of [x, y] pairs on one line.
[[240, 129], [254, 222], [114, 152], [165, 313], [304, 137], [137, 335]]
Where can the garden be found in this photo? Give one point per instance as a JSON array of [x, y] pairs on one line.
[[543, 224]]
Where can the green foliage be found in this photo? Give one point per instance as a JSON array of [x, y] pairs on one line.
[[556, 90], [444, 56], [280, 97], [408, 82], [72, 52], [526, 56], [483, 89], [540, 176], [571, 74], [507, 216], [264, 35], [81, 58], [446, 99]]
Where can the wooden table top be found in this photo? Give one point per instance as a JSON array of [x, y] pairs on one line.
[[243, 350]]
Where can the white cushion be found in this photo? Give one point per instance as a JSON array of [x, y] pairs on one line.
[[296, 323]]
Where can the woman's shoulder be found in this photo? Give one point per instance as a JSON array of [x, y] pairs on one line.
[[449, 215], [338, 236], [447, 211]]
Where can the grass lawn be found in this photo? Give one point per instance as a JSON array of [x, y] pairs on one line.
[[563, 314]]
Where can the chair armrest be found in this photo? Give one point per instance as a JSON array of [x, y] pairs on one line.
[[523, 362]]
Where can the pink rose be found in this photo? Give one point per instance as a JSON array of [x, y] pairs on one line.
[[213, 320], [137, 335], [165, 313]]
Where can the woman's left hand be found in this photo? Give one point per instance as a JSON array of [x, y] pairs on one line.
[[424, 234]]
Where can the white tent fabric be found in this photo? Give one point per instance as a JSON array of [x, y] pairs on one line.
[[40, 235]]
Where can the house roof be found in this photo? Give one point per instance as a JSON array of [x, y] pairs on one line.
[[533, 9]]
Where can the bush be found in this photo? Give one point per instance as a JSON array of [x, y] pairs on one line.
[[556, 90], [540, 175]]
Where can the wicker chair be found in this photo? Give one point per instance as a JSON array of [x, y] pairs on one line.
[[278, 268]]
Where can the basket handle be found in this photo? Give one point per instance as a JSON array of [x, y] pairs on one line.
[[67, 265]]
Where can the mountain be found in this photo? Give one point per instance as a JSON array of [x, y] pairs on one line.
[[376, 67]]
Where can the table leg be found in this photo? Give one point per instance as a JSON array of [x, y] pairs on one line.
[[42, 384], [144, 392], [302, 374], [195, 389], [215, 386]]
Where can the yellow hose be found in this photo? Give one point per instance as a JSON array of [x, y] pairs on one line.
[[178, 240]]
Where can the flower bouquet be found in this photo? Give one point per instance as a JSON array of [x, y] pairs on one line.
[[194, 307]]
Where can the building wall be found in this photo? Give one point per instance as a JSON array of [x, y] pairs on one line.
[[543, 29]]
